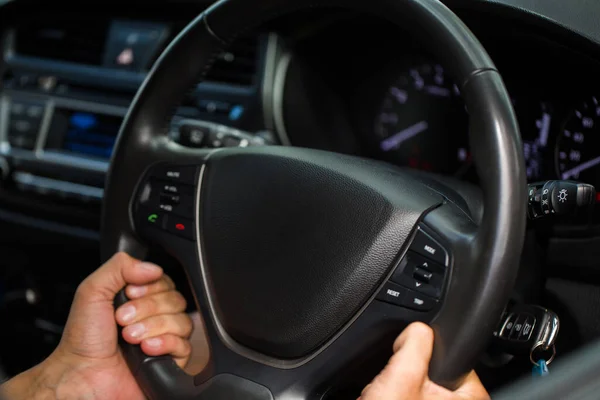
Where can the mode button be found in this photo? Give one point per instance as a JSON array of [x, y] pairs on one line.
[[428, 247], [175, 173]]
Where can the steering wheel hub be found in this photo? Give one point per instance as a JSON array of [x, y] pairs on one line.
[[301, 240]]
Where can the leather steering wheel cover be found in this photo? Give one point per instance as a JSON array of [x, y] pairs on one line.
[[494, 139], [492, 263], [145, 128]]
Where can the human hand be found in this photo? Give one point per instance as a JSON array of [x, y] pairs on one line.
[[155, 319], [406, 376], [88, 363]]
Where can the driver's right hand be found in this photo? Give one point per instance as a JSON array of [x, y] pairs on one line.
[[406, 377]]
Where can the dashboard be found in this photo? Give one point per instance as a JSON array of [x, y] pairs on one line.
[[68, 78], [342, 82], [349, 84]]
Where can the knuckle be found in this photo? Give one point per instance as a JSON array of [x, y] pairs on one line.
[[152, 304], [148, 306], [186, 348], [168, 281], [83, 287], [180, 301], [175, 300], [188, 326], [157, 325], [122, 259]]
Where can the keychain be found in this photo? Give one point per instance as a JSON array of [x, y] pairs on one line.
[[540, 367]]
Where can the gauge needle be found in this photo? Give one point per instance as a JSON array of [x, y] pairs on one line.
[[396, 140], [580, 168]]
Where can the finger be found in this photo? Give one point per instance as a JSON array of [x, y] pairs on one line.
[[174, 324], [164, 284], [179, 348], [120, 270], [171, 302], [406, 372], [472, 388], [416, 345]]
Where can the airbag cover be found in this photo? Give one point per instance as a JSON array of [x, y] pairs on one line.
[[295, 241]]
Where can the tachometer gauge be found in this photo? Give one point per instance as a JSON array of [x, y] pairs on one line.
[[422, 122], [578, 144], [535, 122]]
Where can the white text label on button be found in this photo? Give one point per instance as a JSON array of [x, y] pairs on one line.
[[393, 293], [429, 249]]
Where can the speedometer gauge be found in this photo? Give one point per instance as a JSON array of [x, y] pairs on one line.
[[422, 122], [578, 145]]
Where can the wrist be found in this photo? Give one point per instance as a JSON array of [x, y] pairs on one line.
[[52, 379], [27, 385]]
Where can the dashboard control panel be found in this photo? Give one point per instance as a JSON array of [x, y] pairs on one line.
[[67, 84], [61, 147]]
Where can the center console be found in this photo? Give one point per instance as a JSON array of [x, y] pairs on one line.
[[61, 111]]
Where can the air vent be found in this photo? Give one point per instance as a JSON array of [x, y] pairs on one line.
[[72, 40], [237, 65]]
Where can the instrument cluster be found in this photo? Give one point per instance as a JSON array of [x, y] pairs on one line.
[[420, 121]]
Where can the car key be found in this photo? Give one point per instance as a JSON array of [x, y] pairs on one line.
[[528, 330]]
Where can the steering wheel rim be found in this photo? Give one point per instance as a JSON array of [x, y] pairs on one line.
[[482, 262]]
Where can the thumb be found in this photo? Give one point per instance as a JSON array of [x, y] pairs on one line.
[[91, 329], [114, 275], [406, 372], [472, 388]]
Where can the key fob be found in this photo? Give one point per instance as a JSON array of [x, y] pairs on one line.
[[523, 328]]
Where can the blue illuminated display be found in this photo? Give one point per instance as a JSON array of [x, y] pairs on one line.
[[83, 120], [91, 134]]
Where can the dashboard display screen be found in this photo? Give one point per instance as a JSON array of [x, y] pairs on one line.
[[91, 134], [84, 133]]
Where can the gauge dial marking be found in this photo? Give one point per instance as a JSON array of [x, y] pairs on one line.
[[577, 147], [574, 172], [421, 121], [397, 139]]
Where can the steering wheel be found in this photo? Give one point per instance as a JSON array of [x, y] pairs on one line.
[[302, 260]]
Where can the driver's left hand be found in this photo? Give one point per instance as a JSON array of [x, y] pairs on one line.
[[88, 363]]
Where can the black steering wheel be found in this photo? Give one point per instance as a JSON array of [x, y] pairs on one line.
[[302, 260]]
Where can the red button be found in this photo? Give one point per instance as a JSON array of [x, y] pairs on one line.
[[180, 226]]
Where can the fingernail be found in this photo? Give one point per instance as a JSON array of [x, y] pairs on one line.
[[137, 291], [153, 342], [126, 313], [150, 267], [136, 330]]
